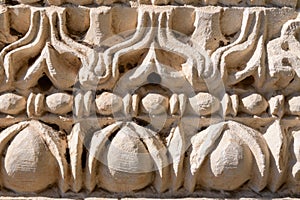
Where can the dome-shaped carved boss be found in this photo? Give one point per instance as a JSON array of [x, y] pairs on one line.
[[32, 157], [227, 155], [125, 157]]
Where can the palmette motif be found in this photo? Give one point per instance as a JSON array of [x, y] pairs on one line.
[[131, 98]]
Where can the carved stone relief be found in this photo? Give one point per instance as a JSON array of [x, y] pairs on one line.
[[150, 98]]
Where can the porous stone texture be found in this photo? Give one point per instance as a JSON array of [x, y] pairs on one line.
[[149, 98]]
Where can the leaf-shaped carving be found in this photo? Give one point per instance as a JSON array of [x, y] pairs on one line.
[[153, 34], [34, 159], [5, 36], [75, 144], [23, 41], [176, 148], [129, 161], [277, 143], [39, 52], [230, 159], [97, 143], [14, 56], [198, 68], [246, 56]]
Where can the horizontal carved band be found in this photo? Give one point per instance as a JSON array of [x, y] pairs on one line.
[[242, 3], [142, 99]]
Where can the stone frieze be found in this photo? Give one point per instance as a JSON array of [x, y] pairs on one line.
[[178, 99]]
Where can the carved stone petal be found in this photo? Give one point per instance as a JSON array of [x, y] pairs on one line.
[[230, 163], [277, 143], [29, 166], [126, 164], [225, 159], [176, 147], [174, 104]]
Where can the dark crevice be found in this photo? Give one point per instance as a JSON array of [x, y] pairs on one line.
[[14, 32], [286, 62], [245, 83], [98, 92], [292, 80], [121, 69], [44, 83], [285, 46], [221, 43], [54, 126], [83, 158], [201, 129], [57, 31], [111, 137], [248, 81], [154, 88], [67, 155], [11, 2], [142, 141], [140, 122], [230, 36]]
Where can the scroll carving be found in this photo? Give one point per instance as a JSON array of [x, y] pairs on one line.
[[149, 98]]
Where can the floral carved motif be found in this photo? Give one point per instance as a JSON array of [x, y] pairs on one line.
[[176, 98]]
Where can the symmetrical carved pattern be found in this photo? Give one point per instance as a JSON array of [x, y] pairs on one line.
[[288, 3], [156, 100]]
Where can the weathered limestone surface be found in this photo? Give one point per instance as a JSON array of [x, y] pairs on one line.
[[150, 98]]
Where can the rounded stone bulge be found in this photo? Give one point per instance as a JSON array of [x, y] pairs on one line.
[[28, 165], [126, 164], [229, 165]]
